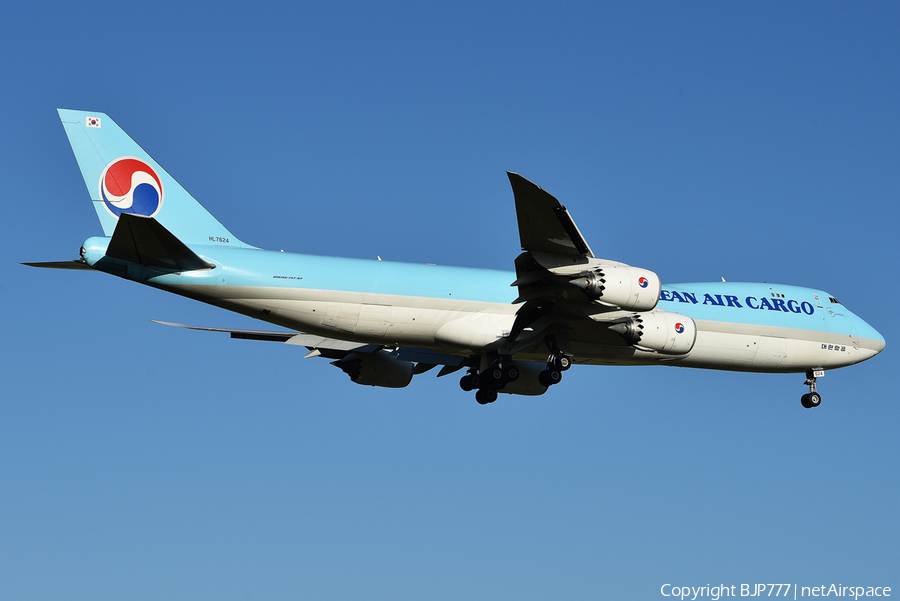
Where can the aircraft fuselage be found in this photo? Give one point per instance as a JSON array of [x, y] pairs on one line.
[[740, 326]]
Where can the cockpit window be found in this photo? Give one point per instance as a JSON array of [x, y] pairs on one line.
[[834, 301]]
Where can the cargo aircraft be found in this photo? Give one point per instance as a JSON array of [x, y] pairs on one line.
[[383, 322]]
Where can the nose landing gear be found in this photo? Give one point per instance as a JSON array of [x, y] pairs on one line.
[[812, 398]]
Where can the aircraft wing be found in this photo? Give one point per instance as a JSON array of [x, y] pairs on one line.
[[549, 238], [562, 285], [544, 224], [333, 348], [294, 338]]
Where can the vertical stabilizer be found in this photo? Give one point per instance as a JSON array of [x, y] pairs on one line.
[[122, 178]]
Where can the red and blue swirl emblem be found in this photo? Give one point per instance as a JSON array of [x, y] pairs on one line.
[[129, 185], [679, 327], [642, 282]]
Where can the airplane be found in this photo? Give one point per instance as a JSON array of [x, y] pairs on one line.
[[383, 322]]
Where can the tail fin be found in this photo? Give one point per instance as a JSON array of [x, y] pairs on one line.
[[122, 178]]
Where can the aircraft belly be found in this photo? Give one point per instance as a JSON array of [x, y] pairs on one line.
[[723, 350], [770, 352], [343, 317], [461, 326], [366, 322], [374, 320], [748, 347], [363, 317]]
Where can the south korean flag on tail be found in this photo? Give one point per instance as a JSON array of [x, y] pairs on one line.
[[92, 122]]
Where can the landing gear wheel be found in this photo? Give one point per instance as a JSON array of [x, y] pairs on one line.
[[483, 397], [549, 377], [559, 362], [496, 378], [812, 398], [512, 373], [465, 383]]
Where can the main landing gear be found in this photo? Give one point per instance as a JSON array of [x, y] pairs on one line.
[[489, 381], [501, 372], [812, 398], [556, 364]]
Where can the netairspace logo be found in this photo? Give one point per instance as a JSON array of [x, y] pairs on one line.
[[772, 590]]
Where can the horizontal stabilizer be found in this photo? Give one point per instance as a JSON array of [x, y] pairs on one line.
[[145, 241], [74, 264], [544, 224]]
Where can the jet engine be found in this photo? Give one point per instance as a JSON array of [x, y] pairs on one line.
[[376, 369], [622, 286], [660, 331]]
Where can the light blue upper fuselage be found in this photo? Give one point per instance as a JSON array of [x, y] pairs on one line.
[[777, 305]]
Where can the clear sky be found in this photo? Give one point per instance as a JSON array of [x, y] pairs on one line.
[[752, 141]]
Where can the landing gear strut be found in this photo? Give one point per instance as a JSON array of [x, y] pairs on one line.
[[812, 398], [556, 364]]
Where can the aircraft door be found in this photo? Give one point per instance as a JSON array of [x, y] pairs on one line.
[[332, 316], [771, 352], [373, 320], [341, 317]]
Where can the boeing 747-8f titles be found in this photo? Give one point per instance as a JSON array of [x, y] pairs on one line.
[[383, 322]]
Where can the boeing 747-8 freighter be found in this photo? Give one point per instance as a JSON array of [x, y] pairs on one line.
[[383, 322]]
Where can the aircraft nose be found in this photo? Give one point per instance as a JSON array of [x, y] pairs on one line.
[[876, 345], [871, 342]]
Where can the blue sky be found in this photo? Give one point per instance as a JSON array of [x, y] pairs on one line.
[[751, 141]]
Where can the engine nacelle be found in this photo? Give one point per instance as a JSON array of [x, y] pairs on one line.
[[376, 369], [660, 331], [628, 288]]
